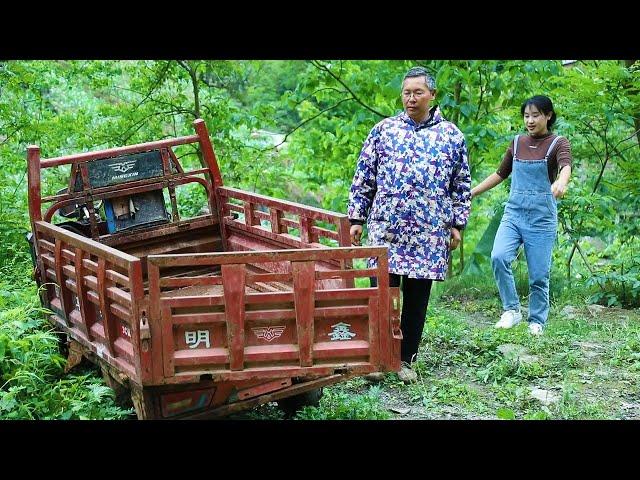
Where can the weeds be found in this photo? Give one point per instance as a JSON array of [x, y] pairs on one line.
[[32, 384], [337, 404], [588, 361]]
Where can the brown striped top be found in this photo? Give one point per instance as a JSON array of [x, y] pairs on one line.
[[535, 148]]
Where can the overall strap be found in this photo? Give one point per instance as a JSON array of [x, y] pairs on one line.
[[553, 144], [515, 146]]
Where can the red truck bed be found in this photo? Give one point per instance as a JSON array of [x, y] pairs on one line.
[[208, 315]]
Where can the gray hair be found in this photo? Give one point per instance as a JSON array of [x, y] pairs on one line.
[[421, 72]]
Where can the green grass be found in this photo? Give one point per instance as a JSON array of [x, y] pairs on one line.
[[459, 340], [588, 362], [32, 380], [351, 400], [338, 403]]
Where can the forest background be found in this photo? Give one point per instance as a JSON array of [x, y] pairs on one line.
[[293, 130]]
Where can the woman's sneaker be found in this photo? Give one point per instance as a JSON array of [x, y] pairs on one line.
[[509, 319], [535, 328]]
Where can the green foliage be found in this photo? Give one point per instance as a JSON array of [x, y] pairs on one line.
[[463, 370], [628, 354], [294, 129], [602, 202], [616, 286], [32, 385], [191, 199], [449, 391], [339, 405], [480, 259], [505, 414]]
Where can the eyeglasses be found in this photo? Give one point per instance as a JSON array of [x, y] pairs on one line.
[[417, 95]]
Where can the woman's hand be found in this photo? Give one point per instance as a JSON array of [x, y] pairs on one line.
[[559, 188]]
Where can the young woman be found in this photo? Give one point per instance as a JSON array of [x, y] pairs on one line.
[[541, 165]]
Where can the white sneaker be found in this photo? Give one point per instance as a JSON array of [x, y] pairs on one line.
[[535, 328], [509, 319]]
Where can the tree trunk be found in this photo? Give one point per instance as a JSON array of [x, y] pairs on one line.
[[193, 75]]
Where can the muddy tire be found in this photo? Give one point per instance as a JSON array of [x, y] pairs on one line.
[[290, 405], [63, 343], [121, 392], [143, 403]]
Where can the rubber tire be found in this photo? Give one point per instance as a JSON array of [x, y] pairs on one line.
[[121, 392], [63, 343], [290, 405]]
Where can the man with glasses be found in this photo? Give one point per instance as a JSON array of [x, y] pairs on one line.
[[412, 187]]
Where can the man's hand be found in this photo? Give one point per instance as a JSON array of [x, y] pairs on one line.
[[356, 233], [455, 238]]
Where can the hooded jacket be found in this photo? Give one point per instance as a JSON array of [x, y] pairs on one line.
[[412, 184]]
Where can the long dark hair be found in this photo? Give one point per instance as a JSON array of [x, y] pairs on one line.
[[544, 105]]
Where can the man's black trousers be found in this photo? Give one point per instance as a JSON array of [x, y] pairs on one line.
[[415, 300]]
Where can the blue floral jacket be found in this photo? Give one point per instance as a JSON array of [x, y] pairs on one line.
[[412, 184]]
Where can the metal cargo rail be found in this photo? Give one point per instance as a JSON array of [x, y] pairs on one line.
[[254, 299], [224, 326]]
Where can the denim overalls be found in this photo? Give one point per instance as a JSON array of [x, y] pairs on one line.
[[530, 218]]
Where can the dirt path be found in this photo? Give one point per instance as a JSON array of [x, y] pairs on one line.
[[585, 366]]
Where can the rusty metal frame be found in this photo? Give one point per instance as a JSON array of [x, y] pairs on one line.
[[109, 279], [93, 288], [303, 276], [88, 195]]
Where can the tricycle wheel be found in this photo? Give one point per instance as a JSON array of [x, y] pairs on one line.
[[63, 343], [290, 405], [121, 392]]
